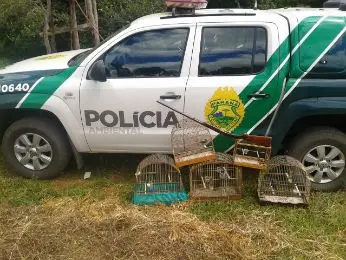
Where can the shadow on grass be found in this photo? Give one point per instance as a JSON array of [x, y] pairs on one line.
[[110, 175]]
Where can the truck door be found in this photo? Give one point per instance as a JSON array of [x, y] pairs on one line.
[[232, 82], [121, 114]]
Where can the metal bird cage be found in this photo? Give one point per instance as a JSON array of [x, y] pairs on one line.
[[219, 179], [285, 181], [158, 180], [192, 143], [249, 155]]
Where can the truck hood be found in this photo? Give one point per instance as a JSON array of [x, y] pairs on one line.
[[56, 61]]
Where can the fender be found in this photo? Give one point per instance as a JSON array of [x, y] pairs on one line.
[[289, 113], [71, 123], [9, 101], [40, 93]]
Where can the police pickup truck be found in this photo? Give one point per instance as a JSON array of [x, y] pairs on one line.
[[277, 72]]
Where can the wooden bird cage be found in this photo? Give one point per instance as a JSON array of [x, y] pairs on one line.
[[249, 155], [218, 179], [158, 180], [192, 143], [285, 181]]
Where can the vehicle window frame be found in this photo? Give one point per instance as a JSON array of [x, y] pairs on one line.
[[230, 26], [102, 57]]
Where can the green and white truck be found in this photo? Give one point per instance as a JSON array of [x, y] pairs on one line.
[[277, 72]]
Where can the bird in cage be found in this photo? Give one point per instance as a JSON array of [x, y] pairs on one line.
[[209, 180], [216, 179], [158, 180], [223, 173], [285, 181], [149, 187]]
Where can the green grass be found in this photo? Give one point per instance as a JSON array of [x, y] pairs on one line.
[[322, 223], [315, 232], [16, 191]]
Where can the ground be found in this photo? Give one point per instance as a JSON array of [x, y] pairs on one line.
[[72, 218]]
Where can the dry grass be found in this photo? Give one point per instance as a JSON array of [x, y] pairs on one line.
[[73, 219], [87, 229], [84, 228]]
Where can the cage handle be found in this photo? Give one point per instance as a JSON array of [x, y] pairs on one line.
[[259, 140]]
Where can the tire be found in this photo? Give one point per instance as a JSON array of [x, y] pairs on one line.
[[327, 139], [52, 146]]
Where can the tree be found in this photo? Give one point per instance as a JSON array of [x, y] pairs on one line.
[[47, 21], [20, 22], [74, 25], [92, 16]]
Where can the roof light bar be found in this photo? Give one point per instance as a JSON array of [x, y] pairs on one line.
[[334, 3], [187, 4]]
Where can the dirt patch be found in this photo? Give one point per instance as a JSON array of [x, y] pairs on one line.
[[64, 183]]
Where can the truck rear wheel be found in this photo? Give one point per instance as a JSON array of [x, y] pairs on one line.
[[36, 148], [322, 151]]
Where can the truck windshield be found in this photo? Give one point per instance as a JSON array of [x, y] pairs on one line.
[[78, 59]]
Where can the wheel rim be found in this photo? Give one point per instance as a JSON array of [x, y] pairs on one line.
[[324, 163], [33, 151]]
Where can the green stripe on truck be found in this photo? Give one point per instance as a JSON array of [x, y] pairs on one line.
[[45, 89], [320, 39]]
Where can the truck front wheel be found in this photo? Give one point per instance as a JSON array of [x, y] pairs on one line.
[[36, 148], [322, 151]]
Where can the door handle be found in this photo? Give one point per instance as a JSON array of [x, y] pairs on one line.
[[259, 95], [170, 97]]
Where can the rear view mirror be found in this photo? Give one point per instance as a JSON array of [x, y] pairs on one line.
[[97, 71]]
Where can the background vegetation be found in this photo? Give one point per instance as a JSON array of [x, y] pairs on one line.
[[21, 21]]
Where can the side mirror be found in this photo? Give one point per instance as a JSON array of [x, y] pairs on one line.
[[97, 71]]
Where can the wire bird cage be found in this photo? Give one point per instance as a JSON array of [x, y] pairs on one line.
[[249, 155], [219, 179], [158, 180], [285, 181], [192, 143]]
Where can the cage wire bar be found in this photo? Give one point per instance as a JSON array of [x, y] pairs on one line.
[[192, 143], [249, 155], [219, 179], [285, 181], [158, 180]]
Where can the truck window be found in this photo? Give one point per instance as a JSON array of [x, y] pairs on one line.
[[335, 59], [157, 53], [232, 51]]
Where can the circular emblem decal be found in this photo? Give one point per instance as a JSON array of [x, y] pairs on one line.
[[224, 109]]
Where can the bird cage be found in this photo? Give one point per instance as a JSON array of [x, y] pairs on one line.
[[218, 179], [285, 181], [158, 180], [192, 143], [250, 155]]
